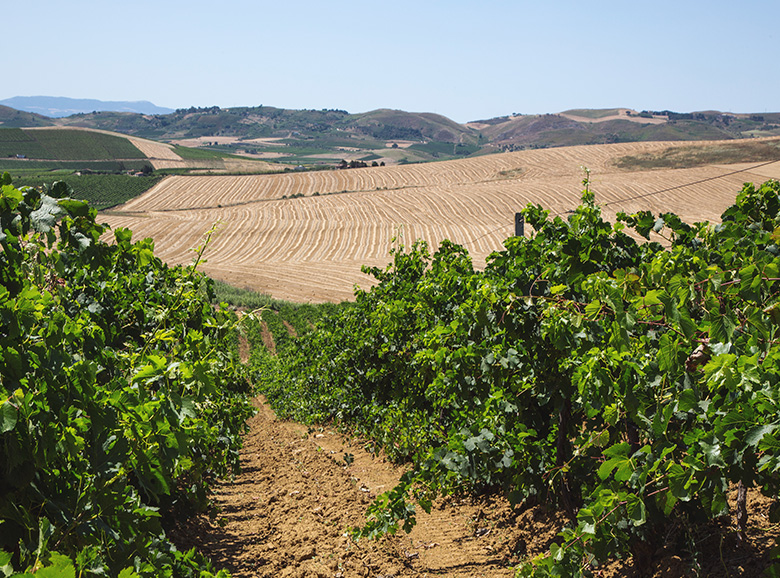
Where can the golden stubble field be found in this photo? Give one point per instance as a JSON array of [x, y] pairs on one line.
[[311, 248]]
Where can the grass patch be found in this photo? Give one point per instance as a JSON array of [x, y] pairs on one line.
[[592, 113], [242, 298], [216, 153], [695, 156], [197, 154], [436, 149], [510, 173], [302, 149], [284, 319]]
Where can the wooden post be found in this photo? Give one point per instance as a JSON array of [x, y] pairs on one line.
[[519, 225]]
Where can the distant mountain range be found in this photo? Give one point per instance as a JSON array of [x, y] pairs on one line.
[[60, 106]]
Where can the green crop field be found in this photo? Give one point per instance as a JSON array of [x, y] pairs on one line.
[[198, 154], [17, 142], [29, 167], [61, 144], [13, 135], [101, 191]]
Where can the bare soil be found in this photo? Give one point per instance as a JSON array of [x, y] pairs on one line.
[[621, 115], [300, 490]]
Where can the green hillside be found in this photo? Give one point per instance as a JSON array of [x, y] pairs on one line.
[[298, 135], [94, 164], [65, 145], [11, 118], [385, 124]]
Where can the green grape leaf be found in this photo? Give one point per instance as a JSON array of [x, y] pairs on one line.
[[635, 508], [8, 417]]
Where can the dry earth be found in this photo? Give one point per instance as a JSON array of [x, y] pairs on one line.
[[300, 490], [310, 249], [289, 512], [621, 115]]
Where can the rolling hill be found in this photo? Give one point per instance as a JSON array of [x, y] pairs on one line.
[[13, 118], [309, 137], [326, 137], [620, 125]]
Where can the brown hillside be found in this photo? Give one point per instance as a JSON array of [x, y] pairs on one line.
[[310, 249]]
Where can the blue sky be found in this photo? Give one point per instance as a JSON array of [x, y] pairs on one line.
[[466, 60]]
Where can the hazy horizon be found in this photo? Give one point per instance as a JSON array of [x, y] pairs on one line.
[[455, 58]]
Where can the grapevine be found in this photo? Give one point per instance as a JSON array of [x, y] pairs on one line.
[[632, 384], [119, 401]]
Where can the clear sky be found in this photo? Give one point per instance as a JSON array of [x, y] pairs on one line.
[[466, 60]]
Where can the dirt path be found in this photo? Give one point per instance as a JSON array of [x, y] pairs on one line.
[[288, 512]]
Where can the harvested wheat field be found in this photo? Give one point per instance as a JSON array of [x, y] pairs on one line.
[[310, 248]]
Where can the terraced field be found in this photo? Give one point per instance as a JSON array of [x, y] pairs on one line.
[[311, 247]]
